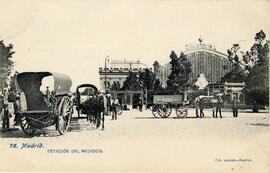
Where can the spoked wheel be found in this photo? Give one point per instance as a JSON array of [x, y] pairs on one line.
[[119, 110], [155, 111], [26, 127], [181, 112], [65, 113], [164, 111]]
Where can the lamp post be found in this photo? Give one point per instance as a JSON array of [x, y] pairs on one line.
[[106, 59]]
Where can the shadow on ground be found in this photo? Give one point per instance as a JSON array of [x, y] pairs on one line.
[[76, 125]]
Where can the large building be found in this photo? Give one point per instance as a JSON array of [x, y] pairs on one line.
[[117, 71], [205, 59]]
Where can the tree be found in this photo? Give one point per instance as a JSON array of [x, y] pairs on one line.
[[257, 82], [131, 82], [251, 67], [142, 80], [157, 85], [237, 73], [180, 71], [6, 63], [115, 86], [147, 79], [156, 66]]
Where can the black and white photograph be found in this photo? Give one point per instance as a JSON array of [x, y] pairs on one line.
[[134, 86]]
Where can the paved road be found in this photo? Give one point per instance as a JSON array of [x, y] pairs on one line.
[[137, 141]]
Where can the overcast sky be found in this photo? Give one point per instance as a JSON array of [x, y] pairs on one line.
[[74, 37]]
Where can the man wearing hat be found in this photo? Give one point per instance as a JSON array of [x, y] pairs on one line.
[[5, 122], [17, 107], [1, 106]]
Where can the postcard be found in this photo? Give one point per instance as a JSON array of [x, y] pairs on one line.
[[134, 86]]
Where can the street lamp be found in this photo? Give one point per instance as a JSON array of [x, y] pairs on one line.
[[106, 59]]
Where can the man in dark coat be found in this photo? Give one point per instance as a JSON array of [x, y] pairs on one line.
[[201, 106], [17, 107], [219, 105], [5, 123], [235, 107], [114, 105]]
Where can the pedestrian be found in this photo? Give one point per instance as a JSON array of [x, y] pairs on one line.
[[201, 106], [140, 104], [255, 107], [235, 107], [219, 105], [17, 108], [214, 106], [114, 108], [1, 106], [108, 103], [5, 122], [196, 103]]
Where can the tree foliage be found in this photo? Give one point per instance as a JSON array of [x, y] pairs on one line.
[[6, 62], [142, 80], [180, 71], [251, 67], [131, 82], [147, 79], [156, 66], [115, 86]]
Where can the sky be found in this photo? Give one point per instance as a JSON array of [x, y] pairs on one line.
[[74, 37]]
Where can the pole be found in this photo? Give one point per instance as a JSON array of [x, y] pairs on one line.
[[106, 74]]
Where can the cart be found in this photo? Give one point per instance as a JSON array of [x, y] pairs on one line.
[[40, 110], [163, 105], [83, 93]]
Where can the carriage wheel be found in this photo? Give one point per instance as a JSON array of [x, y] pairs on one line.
[[164, 111], [181, 112], [155, 111], [26, 127], [65, 113]]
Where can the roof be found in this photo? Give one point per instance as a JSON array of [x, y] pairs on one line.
[[205, 48], [126, 64], [62, 82]]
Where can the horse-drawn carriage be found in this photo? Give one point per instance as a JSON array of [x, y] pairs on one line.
[[83, 93], [89, 102], [163, 105], [43, 109]]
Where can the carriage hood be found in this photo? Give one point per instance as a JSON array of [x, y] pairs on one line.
[[62, 82], [87, 86]]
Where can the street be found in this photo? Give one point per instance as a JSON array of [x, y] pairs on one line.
[[138, 141]]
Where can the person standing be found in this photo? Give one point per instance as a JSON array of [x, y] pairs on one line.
[[1, 107], [197, 103], [17, 107], [214, 106], [201, 106], [114, 108], [235, 107], [219, 105], [140, 104], [5, 123]]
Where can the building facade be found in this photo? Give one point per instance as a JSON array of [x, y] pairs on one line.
[[232, 90], [117, 72], [205, 59]]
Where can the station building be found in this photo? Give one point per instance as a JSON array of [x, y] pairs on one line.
[[118, 70], [205, 59]]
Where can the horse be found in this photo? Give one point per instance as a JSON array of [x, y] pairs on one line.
[[212, 101], [94, 107]]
